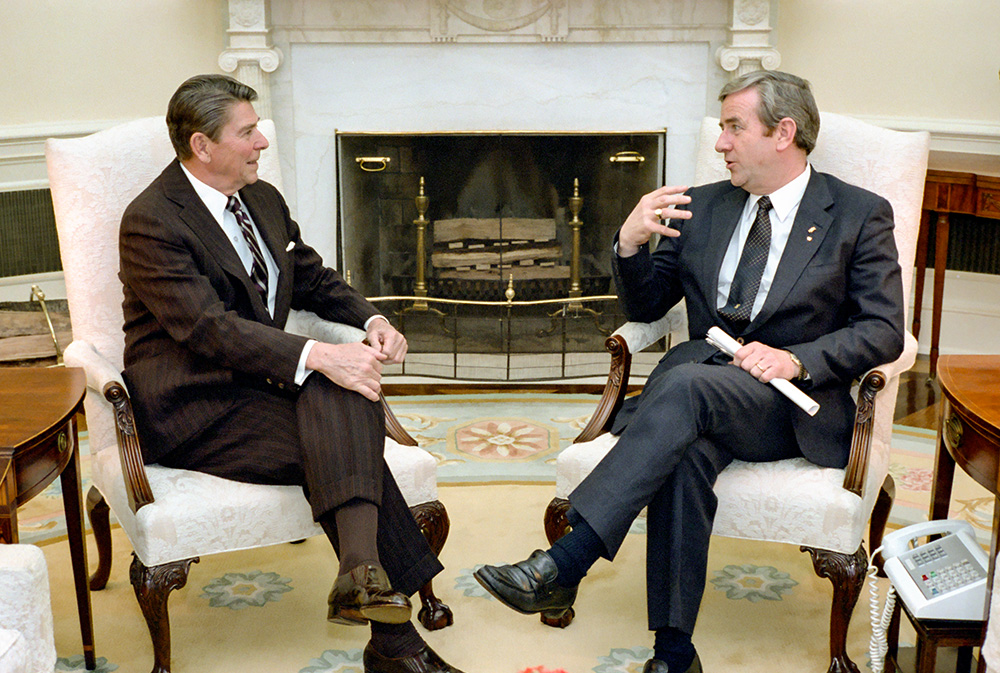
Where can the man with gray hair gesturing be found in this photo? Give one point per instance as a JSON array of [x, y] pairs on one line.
[[800, 267]]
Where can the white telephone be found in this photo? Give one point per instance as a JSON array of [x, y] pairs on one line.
[[942, 579]]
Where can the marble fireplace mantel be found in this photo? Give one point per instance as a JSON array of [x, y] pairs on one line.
[[414, 66]]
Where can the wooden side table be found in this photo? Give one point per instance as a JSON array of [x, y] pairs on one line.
[[38, 442], [947, 192], [969, 436]]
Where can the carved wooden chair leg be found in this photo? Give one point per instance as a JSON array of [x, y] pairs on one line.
[[880, 516], [847, 574], [556, 526], [100, 523], [433, 520], [152, 588], [555, 521]]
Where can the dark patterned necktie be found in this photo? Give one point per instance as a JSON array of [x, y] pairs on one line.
[[746, 281], [258, 272]]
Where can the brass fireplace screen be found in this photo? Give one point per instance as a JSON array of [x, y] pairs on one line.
[[492, 250]]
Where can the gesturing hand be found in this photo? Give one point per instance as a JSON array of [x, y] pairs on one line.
[[354, 366], [647, 218]]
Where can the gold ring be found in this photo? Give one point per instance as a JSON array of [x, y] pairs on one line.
[[759, 367], [659, 213]]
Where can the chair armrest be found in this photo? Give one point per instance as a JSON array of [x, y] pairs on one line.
[[874, 381], [104, 378], [640, 335], [311, 325], [631, 337]]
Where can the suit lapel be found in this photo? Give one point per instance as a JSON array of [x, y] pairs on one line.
[[812, 223], [196, 217]]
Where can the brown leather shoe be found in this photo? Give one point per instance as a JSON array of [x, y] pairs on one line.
[[660, 666], [424, 661], [365, 594]]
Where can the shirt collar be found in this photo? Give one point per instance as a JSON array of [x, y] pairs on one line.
[[786, 198], [213, 199]]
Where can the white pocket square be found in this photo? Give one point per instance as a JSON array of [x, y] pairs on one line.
[[291, 244]]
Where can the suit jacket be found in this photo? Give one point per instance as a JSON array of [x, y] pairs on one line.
[[198, 338], [836, 300]]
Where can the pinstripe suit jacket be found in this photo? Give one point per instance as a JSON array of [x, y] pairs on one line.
[[836, 300], [198, 338]]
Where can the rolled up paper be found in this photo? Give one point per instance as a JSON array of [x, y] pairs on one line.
[[729, 345]]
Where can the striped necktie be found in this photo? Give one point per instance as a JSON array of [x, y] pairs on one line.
[[258, 272], [746, 280]]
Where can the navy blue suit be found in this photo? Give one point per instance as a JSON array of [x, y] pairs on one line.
[[836, 302]]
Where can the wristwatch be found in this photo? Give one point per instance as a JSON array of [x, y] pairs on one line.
[[803, 372]]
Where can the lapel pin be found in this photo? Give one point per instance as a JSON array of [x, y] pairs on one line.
[[291, 244], [809, 238], [812, 229]]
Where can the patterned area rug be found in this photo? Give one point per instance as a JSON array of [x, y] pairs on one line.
[[496, 457], [257, 611]]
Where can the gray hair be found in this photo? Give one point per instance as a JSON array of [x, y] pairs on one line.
[[202, 105], [781, 95]]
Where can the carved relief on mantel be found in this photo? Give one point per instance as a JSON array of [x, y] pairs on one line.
[[544, 20]]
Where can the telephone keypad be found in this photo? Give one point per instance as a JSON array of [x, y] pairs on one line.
[[942, 566]]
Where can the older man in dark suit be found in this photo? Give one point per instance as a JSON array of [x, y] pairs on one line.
[[211, 264], [798, 265]]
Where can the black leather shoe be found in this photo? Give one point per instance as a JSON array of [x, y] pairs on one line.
[[365, 594], [529, 586], [424, 661], [660, 666]]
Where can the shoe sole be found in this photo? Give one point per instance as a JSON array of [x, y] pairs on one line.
[[387, 614], [347, 617], [485, 582]]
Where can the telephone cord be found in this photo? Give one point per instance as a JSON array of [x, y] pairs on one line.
[[878, 645]]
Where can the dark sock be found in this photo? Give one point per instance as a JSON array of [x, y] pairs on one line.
[[396, 640], [575, 552], [357, 528], [674, 647]]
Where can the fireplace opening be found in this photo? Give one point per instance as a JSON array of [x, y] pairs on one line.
[[497, 206], [492, 251]]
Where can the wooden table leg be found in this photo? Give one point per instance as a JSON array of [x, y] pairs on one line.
[[8, 499], [940, 258], [944, 473], [73, 504], [920, 264]]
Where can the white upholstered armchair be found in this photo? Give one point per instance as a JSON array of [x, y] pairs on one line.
[[26, 637], [823, 510], [173, 516]]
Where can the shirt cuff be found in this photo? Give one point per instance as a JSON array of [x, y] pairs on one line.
[[374, 317], [301, 372]]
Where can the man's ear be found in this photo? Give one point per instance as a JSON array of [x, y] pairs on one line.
[[785, 133], [201, 147]]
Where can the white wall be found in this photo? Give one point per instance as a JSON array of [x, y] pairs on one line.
[[923, 59], [95, 60]]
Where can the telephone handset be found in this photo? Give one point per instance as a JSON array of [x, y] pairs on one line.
[[942, 579]]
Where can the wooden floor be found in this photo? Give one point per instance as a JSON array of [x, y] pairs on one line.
[[916, 403]]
